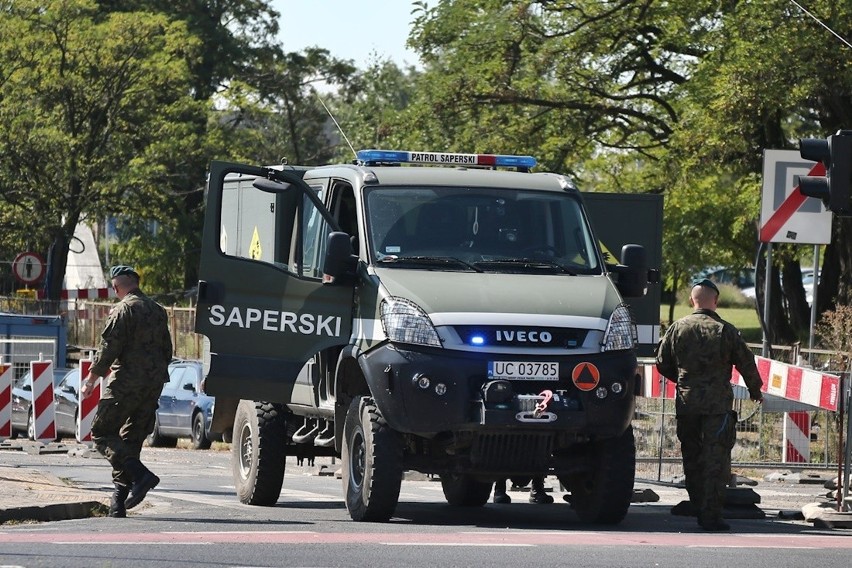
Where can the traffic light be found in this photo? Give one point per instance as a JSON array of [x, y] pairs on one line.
[[835, 152]]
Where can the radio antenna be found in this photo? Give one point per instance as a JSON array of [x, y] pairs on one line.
[[336, 124]]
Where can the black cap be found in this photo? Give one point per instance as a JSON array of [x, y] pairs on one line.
[[121, 270], [707, 283]]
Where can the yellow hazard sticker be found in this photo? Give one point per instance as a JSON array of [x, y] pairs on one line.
[[608, 256], [255, 252]]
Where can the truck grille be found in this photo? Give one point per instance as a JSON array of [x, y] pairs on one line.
[[507, 450]]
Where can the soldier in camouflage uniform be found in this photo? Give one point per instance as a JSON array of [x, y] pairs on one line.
[[697, 353], [137, 347]]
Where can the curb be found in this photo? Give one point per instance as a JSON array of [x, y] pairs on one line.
[[55, 512]]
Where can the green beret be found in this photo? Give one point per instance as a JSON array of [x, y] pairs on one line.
[[120, 270], [707, 283]]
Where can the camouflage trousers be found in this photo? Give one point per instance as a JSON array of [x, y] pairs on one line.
[[706, 441], [124, 418]]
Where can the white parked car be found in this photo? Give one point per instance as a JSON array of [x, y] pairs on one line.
[[807, 284]]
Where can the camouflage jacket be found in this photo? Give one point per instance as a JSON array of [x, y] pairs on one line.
[[135, 342], [698, 353]]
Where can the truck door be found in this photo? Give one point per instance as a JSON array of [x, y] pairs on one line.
[[622, 218], [262, 303]]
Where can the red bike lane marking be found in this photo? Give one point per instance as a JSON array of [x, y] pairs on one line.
[[509, 538]]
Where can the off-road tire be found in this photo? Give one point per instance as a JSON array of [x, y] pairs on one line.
[[372, 463], [198, 435], [157, 440], [258, 455], [465, 491], [603, 497]]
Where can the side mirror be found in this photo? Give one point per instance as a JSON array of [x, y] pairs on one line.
[[189, 387], [338, 257], [270, 186], [632, 271]]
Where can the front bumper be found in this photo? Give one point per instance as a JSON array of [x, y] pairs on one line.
[[453, 401]]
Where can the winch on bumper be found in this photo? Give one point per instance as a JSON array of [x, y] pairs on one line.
[[433, 391]]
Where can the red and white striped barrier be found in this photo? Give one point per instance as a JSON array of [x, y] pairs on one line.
[[88, 405], [82, 294], [814, 388], [44, 413], [797, 437], [6, 372]]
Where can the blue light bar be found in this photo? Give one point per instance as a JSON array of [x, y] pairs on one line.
[[446, 158]]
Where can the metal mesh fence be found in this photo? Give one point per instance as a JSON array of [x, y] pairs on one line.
[[759, 439]]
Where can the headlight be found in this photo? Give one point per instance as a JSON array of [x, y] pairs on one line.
[[621, 331], [405, 322]]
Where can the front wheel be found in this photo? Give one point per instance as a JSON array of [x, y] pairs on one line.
[[372, 463], [258, 453], [603, 496], [198, 436], [465, 491]]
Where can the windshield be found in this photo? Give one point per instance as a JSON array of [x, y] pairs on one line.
[[488, 229]]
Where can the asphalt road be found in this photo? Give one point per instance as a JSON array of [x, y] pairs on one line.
[[193, 518]]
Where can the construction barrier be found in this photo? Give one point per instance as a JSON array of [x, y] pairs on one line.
[[6, 375], [780, 380], [82, 294], [765, 434], [44, 413], [89, 405], [797, 437]]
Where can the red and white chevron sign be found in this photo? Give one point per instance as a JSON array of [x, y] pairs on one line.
[[799, 384], [89, 405], [43, 410], [6, 373], [796, 437]]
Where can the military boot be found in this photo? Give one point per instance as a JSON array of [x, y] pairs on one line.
[[538, 495], [143, 481], [500, 495], [117, 508]]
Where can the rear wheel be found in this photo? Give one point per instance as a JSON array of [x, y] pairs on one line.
[[258, 453], [603, 496], [465, 491], [157, 440], [372, 463], [198, 436]]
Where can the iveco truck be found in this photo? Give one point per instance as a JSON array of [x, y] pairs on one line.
[[452, 314]]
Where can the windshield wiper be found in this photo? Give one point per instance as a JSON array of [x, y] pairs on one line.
[[442, 261], [526, 263]]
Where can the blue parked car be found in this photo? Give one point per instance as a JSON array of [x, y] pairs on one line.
[[185, 411]]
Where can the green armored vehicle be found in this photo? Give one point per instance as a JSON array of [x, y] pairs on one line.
[[447, 313]]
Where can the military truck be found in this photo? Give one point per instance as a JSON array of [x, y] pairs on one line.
[[446, 313]]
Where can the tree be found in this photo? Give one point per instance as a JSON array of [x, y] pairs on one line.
[[679, 98], [737, 103], [284, 114], [85, 99], [236, 43]]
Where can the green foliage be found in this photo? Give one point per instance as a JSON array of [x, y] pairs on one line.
[[834, 331], [82, 96]]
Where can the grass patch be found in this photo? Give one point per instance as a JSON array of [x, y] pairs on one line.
[[744, 317]]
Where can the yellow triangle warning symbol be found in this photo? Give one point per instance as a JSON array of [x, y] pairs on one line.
[[255, 251], [608, 256]]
